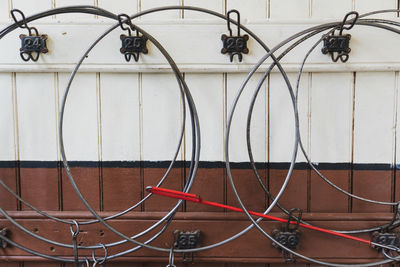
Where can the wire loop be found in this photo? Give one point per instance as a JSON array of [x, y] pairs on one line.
[[100, 261], [228, 21], [171, 258]]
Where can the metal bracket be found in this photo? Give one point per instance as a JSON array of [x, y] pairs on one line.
[[234, 45], [186, 240], [131, 45], [32, 44], [288, 236], [3, 243], [338, 46], [386, 239]]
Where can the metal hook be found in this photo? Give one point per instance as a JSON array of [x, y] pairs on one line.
[[22, 23], [390, 254], [125, 19], [86, 261], [76, 232], [171, 258], [287, 256], [228, 21], [240, 56], [396, 215], [352, 22], [102, 260], [74, 241], [297, 219]]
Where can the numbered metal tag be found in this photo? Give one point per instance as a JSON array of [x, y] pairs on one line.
[[235, 45], [337, 46], [133, 45], [32, 45], [386, 239], [287, 239]]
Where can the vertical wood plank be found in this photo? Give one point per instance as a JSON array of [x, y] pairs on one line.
[[81, 127], [373, 138], [44, 264], [120, 117], [397, 138], [245, 265], [32, 7], [367, 6], [330, 9], [170, 14], [289, 9], [178, 264], [215, 5], [120, 139], [161, 131], [4, 11], [9, 264], [207, 92], [37, 139], [7, 151], [119, 6], [243, 176], [74, 17], [37, 120], [247, 10], [331, 137], [281, 140]]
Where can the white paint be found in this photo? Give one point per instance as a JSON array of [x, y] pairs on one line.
[[282, 127], [32, 7], [169, 14], [119, 6], [161, 116], [37, 123], [74, 17], [194, 43], [363, 6], [289, 9], [7, 151], [65, 50], [373, 117], [249, 10], [237, 139], [207, 93], [328, 9], [4, 11], [120, 116], [331, 117], [215, 5], [80, 118]]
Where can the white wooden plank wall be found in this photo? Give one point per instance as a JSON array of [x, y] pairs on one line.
[[137, 115]]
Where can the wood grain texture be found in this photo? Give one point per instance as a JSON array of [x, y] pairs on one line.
[[121, 188], [375, 185], [257, 249], [209, 184], [39, 187], [322, 194], [8, 176], [88, 182], [296, 193]]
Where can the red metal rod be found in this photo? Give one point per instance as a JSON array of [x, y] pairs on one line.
[[198, 199]]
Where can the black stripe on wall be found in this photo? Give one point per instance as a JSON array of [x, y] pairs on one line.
[[202, 164]]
